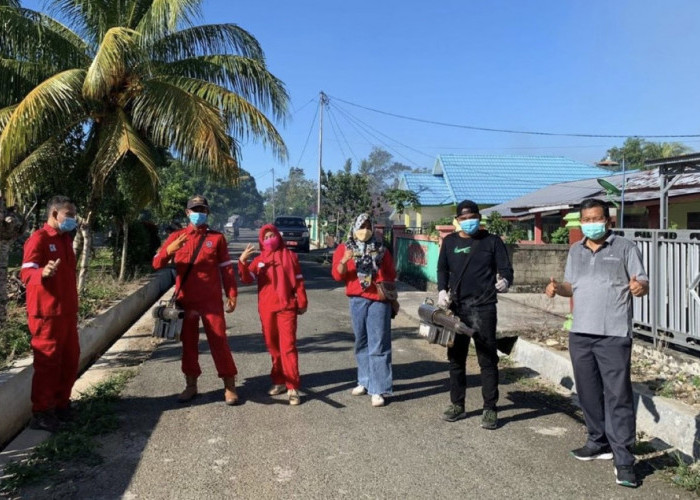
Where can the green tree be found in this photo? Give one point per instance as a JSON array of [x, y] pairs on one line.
[[139, 76], [399, 199], [381, 170], [636, 151], [295, 195], [344, 195]]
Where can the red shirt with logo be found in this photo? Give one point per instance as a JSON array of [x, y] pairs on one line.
[[212, 269], [56, 295]]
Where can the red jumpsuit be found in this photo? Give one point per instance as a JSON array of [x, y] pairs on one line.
[[281, 294], [201, 296], [52, 313]]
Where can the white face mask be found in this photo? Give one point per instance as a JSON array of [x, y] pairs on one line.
[[363, 234]]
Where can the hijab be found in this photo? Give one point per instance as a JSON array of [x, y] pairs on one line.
[[367, 255]]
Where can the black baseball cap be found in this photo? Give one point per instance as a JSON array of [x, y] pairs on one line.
[[467, 206], [197, 201]]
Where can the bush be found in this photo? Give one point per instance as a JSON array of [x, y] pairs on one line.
[[143, 244], [560, 236], [14, 335]]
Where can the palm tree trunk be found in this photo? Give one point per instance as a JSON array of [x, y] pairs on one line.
[[125, 246], [86, 233]]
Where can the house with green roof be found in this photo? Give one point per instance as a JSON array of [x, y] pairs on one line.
[[486, 179]]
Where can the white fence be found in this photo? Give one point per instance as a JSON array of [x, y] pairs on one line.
[[671, 311]]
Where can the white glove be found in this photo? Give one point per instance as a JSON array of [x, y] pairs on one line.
[[443, 299], [501, 284]]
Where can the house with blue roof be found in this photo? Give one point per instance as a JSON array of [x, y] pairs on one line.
[[486, 179]]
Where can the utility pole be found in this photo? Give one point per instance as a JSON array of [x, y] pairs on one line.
[[622, 195], [322, 101]]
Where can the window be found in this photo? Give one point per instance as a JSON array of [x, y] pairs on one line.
[[693, 220]]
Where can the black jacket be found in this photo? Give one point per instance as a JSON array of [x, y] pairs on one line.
[[477, 287]]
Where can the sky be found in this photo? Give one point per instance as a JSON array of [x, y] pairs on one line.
[[623, 67]]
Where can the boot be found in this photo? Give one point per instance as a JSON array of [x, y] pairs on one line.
[[190, 389], [230, 394]]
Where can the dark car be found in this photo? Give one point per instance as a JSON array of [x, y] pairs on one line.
[[294, 231]]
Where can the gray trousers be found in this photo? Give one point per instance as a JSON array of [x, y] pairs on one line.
[[602, 375]]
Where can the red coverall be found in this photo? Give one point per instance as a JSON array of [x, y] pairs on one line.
[[281, 294], [52, 313], [201, 296]]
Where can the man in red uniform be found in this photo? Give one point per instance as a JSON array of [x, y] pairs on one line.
[[48, 271], [201, 295]]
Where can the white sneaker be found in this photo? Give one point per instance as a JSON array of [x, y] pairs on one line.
[[377, 400], [359, 390], [294, 398]]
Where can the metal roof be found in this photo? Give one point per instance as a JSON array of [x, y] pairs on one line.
[[431, 189], [490, 179], [639, 186]]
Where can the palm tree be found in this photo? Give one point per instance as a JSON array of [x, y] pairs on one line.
[[140, 76]]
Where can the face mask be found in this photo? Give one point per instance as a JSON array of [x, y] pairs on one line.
[[594, 230], [197, 218], [67, 225], [469, 226], [271, 244], [363, 234]]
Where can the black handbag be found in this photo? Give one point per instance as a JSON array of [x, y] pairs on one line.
[[169, 315]]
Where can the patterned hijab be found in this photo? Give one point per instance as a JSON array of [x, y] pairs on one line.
[[367, 255]]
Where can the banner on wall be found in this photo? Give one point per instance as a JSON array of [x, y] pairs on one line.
[[417, 258]]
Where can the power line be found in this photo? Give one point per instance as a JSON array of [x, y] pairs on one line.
[[512, 131], [309, 135], [297, 110], [334, 118], [391, 139], [351, 121]]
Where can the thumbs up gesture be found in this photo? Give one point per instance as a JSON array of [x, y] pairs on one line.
[[50, 268], [638, 288], [551, 290]]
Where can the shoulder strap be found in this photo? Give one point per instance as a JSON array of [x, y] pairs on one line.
[[189, 267], [473, 250]]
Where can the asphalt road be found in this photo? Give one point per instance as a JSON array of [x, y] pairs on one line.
[[335, 445]]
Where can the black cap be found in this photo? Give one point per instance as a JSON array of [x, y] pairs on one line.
[[197, 201], [467, 206]]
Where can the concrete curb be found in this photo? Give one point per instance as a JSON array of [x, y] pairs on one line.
[[671, 421], [95, 337]]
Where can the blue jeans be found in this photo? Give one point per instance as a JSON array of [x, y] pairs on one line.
[[371, 322]]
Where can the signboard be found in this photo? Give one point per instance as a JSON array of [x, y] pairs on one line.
[[417, 258]]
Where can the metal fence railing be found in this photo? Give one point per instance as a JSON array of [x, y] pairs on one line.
[[671, 311]]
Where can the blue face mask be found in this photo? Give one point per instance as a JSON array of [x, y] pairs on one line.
[[197, 218], [67, 225], [469, 226], [594, 230]]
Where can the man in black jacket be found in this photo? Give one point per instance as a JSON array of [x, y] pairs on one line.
[[472, 297]]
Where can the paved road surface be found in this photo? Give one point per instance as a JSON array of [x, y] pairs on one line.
[[335, 445]]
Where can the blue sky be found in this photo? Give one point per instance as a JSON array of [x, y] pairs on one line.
[[595, 66]]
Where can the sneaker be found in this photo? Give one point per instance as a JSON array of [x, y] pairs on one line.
[[294, 398], [453, 413], [377, 400], [45, 421], [359, 390], [489, 419], [585, 453], [625, 476], [277, 389]]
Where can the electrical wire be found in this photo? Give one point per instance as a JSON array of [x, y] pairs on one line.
[[512, 131], [309, 134], [335, 119], [297, 110], [383, 134]]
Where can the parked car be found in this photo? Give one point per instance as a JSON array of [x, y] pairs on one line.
[[294, 231]]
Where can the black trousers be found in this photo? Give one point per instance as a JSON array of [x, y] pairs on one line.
[[483, 319], [602, 374]]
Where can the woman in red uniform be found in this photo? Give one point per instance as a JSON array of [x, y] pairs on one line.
[[281, 297]]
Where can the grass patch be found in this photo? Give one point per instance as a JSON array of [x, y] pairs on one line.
[[14, 335], [686, 476], [101, 289], [76, 443]]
